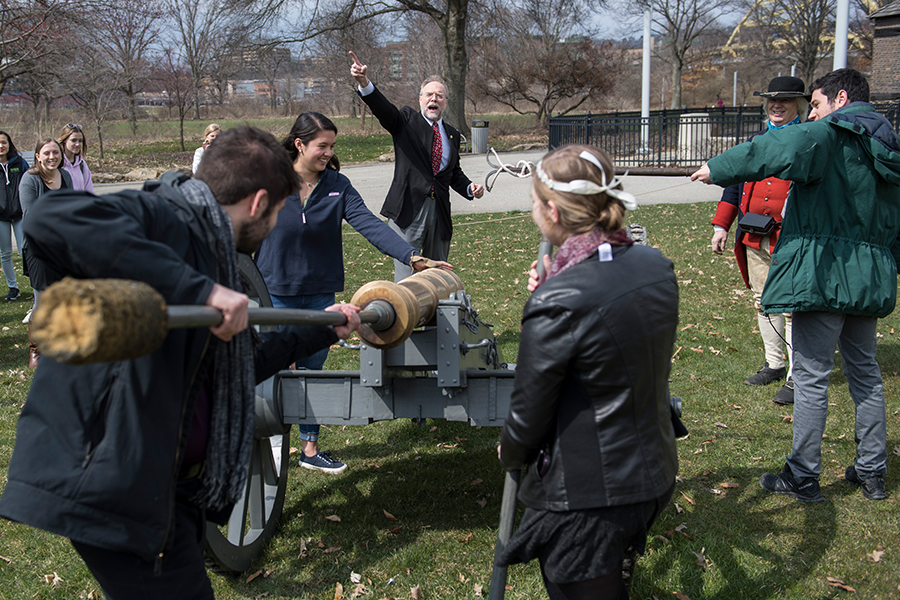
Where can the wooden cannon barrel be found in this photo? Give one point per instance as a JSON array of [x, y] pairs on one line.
[[415, 301]]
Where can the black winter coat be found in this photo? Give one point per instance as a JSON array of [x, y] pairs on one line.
[[10, 208], [413, 177], [590, 414], [99, 447]]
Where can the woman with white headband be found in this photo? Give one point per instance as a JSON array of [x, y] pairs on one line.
[[589, 415]]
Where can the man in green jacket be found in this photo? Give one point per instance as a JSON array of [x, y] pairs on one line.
[[834, 266]]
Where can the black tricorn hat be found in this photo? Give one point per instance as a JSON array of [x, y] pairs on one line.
[[785, 87]]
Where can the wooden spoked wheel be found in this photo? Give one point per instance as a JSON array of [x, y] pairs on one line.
[[235, 545]]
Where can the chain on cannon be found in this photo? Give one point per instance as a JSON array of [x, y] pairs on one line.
[[438, 360]]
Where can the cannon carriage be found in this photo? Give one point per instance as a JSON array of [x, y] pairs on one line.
[[440, 362]]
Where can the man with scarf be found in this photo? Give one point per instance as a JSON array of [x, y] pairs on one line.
[[128, 459], [786, 104]]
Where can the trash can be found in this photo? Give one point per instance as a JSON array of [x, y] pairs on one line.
[[480, 137]]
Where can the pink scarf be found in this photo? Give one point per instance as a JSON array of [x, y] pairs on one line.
[[578, 247]]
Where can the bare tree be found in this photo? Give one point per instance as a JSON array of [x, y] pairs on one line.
[[537, 57], [449, 15], [124, 31], [96, 87], [175, 78], [793, 31], [862, 32], [205, 30], [30, 31], [680, 23]]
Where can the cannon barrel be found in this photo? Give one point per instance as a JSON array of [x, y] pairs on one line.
[[100, 320]]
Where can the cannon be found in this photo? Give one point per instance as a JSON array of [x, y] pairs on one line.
[[438, 361]]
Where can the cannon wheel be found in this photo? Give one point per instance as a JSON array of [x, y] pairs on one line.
[[235, 545]]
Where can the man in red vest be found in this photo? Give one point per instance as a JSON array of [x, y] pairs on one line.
[[759, 207]]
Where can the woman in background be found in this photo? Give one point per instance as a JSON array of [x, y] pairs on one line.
[[209, 134], [589, 414], [302, 260], [14, 167], [46, 175], [71, 138]]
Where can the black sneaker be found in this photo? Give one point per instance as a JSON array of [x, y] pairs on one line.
[[805, 489], [786, 394], [765, 376], [322, 462], [13, 294], [872, 487]]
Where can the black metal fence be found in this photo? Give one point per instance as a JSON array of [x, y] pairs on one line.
[[670, 138]]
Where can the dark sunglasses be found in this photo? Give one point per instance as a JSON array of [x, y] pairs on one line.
[[74, 126]]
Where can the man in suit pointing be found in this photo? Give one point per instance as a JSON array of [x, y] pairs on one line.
[[426, 167]]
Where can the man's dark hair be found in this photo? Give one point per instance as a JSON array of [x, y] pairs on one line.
[[244, 160], [850, 80]]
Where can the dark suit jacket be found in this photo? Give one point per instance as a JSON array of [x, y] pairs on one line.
[[413, 136]]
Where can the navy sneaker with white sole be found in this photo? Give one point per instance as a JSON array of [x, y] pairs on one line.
[[322, 461]]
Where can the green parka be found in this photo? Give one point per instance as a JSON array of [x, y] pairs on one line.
[[842, 215]]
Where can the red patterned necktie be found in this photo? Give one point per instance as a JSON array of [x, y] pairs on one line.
[[436, 149]]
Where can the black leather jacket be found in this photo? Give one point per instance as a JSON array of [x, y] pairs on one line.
[[590, 414]]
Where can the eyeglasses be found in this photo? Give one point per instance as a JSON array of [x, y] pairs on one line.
[[74, 126]]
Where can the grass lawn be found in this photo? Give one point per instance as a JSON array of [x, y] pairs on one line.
[[722, 537]]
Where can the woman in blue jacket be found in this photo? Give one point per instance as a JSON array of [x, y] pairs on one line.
[[14, 166], [302, 260]]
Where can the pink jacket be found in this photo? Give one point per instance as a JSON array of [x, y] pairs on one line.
[[81, 175]]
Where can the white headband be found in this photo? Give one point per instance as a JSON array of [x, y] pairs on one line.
[[583, 187]]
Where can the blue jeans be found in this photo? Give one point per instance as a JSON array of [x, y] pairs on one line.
[[6, 249], [309, 433], [815, 336]]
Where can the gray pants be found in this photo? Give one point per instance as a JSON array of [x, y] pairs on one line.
[[423, 236], [815, 336]]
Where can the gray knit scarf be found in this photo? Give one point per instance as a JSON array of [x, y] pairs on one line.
[[231, 403]]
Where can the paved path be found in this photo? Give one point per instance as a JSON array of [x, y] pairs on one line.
[[509, 193]]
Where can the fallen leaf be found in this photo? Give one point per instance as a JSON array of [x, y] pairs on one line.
[[681, 596], [338, 591], [897, 450], [839, 583], [728, 484], [253, 576], [715, 491], [478, 589], [395, 530], [389, 515], [355, 577], [699, 350], [359, 591], [6, 560], [678, 509], [477, 481], [688, 499], [737, 407], [415, 592], [876, 554], [334, 518], [787, 417], [332, 549], [482, 503], [433, 429], [686, 327], [53, 580], [468, 538], [701, 559], [722, 425], [303, 552]]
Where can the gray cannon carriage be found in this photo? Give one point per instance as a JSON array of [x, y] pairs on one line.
[[448, 368]]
